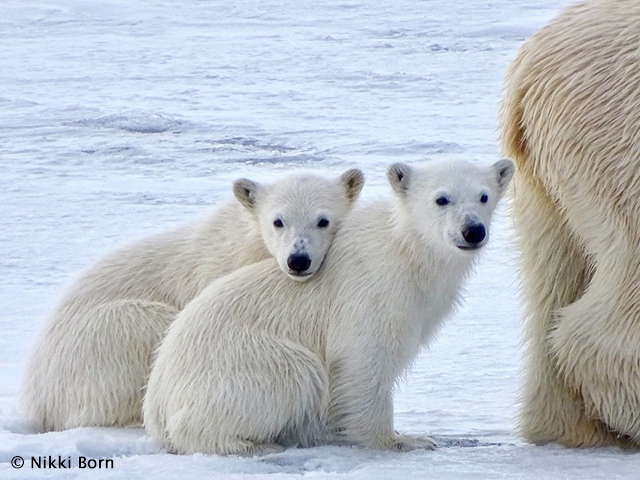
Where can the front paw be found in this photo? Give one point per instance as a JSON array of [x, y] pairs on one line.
[[406, 443]]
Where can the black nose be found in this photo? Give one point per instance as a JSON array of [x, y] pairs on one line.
[[474, 233], [299, 262]]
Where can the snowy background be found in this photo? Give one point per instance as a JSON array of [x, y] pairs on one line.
[[122, 118]]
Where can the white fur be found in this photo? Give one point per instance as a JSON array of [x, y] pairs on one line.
[[92, 359], [571, 121], [256, 363]]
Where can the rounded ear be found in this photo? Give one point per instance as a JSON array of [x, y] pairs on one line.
[[353, 180], [398, 175], [504, 170], [246, 191]]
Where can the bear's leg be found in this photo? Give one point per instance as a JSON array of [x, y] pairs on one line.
[[361, 392], [245, 448], [95, 374], [596, 343], [554, 273], [256, 394]]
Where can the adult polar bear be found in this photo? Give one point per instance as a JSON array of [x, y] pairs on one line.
[[571, 120], [255, 362], [92, 360]]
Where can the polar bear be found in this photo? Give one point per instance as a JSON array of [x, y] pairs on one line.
[[255, 363], [92, 360], [571, 120]]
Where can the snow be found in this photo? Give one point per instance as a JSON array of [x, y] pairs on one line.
[[120, 118]]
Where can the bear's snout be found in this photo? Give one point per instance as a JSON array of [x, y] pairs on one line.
[[474, 233], [298, 263]]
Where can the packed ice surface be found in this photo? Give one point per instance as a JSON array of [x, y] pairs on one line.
[[120, 118]]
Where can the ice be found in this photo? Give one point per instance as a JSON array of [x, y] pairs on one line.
[[133, 122], [120, 118]]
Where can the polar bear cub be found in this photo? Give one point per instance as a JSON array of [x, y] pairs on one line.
[[92, 360], [256, 363]]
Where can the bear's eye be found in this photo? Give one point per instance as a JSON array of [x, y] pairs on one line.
[[278, 223], [484, 198], [323, 223], [442, 201]]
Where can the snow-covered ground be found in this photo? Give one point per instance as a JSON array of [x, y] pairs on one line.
[[121, 118]]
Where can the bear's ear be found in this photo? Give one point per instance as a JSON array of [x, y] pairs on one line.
[[398, 175], [504, 170], [246, 191], [353, 180]]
